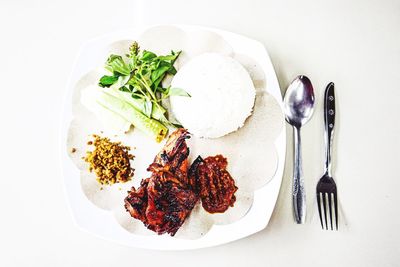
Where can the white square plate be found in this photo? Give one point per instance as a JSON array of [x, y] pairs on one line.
[[101, 223]]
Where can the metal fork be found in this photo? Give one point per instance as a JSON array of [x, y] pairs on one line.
[[326, 187]]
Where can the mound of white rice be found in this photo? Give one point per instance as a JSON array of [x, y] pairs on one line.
[[222, 95]]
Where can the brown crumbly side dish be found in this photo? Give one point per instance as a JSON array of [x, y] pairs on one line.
[[110, 161]]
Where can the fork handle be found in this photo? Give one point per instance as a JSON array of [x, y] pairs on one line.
[[299, 195], [329, 119]]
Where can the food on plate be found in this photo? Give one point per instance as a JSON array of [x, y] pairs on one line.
[[216, 187], [133, 91], [222, 95], [165, 200], [110, 161], [112, 108], [98, 98]]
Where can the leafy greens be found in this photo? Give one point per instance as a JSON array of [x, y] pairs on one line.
[[136, 78]]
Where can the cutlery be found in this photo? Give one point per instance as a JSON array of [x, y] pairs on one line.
[[299, 107], [326, 187]]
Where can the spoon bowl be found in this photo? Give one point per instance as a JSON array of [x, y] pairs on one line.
[[299, 101]]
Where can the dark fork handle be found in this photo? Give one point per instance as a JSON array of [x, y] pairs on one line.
[[329, 119]]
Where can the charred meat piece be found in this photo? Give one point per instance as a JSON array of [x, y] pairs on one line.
[[174, 154], [214, 184], [136, 201], [169, 203], [165, 200], [193, 173]]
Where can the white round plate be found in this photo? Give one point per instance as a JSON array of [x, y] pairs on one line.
[[101, 223]]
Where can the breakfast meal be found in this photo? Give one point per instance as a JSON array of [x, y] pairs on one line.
[[222, 95], [165, 200]]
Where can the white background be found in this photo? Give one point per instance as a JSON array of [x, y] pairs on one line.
[[356, 44]]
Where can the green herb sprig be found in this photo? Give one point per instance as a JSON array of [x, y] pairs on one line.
[[140, 74]]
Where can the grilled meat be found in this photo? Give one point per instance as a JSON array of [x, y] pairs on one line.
[[214, 184], [169, 203], [173, 156], [165, 200], [136, 201]]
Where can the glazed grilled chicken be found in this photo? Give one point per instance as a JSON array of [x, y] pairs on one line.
[[165, 200], [173, 157]]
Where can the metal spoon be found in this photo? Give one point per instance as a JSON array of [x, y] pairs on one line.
[[299, 107]]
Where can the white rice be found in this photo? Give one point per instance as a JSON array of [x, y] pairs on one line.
[[222, 95]]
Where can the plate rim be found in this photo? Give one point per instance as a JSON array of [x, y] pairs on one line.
[[167, 243]]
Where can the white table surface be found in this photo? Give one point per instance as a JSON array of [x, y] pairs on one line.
[[356, 44]]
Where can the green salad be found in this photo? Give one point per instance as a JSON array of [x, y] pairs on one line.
[[133, 89]]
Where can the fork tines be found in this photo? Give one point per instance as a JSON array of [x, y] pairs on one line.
[[332, 197]]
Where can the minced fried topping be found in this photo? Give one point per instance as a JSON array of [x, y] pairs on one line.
[[110, 161]]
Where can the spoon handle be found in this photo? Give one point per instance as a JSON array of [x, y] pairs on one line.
[[329, 119], [299, 194]]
